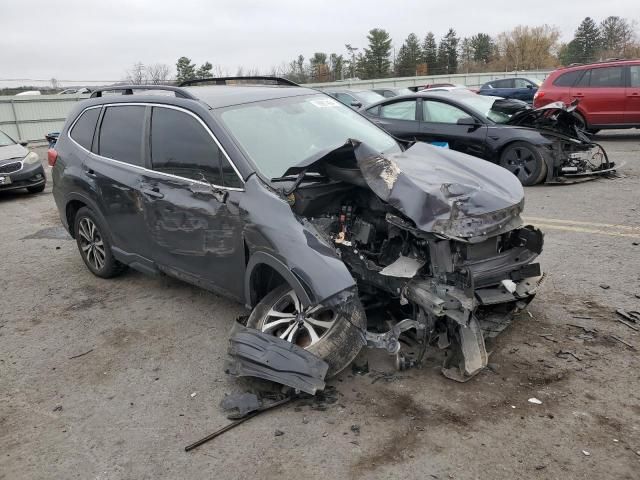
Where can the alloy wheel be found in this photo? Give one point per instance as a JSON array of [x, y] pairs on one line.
[[521, 161], [91, 243], [288, 320]]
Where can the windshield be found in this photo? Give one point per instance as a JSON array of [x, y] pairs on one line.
[[484, 105], [281, 133], [5, 140]]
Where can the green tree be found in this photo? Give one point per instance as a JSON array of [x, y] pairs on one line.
[[448, 53], [466, 54], [377, 63], [409, 56], [319, 68], [353, 64], [336, 66], [587, 41], [430, 53], [185, 70], [204, 71], [482, 46], [616, 35]]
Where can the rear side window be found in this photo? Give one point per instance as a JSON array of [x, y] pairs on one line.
[[121, 134], [82, 132], [567, 79], [181, 146], [607, 77], [405, 110], [634, 71]]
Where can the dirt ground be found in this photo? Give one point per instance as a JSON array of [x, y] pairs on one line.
[[110, 379]]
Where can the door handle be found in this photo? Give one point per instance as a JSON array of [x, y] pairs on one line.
[[90, 173], [153, 192], [578, 95]]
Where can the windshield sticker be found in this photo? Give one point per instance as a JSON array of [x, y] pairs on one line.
[[325, 102]]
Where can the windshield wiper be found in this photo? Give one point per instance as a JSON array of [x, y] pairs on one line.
[[297, 180]]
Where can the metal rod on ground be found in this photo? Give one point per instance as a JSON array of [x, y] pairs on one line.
[[235, 424]]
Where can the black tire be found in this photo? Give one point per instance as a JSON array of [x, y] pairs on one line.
[[38, 189], [338, 345], [525, 161], [94, 244]]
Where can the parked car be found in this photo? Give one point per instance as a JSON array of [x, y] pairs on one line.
[[608, 92], [392, 91], [19, 168], [354, 98], [518, 88], [418, 88], [302, 209], [75, 91], [534, 146]]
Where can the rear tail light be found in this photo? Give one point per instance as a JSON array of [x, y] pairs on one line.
[[52, 156]]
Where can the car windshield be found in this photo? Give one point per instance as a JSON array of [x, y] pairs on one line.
[[5, 140], [484, 105], [281, 133]]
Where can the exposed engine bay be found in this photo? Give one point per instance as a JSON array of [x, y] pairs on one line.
[[447, 262]]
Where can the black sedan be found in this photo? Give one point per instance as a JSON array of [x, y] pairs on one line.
[[19, 168], [533, 145]]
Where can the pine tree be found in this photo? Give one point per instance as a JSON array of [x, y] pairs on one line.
[[185, 70], [616, 34], [409, 56], [482, 46], [377, 63], [204, 71], [430, 53], [587, 41]]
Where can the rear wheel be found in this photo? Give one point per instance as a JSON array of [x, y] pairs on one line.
[[581, 123], [525, 161], [95, 247], [335, 335]]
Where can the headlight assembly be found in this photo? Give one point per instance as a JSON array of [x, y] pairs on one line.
[[31, 158]]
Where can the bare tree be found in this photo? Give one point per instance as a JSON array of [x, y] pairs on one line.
[[157, 73], [137, 75], [54, 83]]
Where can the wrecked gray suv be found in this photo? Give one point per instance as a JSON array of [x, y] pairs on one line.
[[334, 233]]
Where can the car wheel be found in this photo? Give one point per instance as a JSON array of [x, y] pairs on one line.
[[38, 189], [525, 161], [335, 336], [95, 247]]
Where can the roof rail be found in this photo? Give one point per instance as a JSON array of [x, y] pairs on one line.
[[129, 89], [250, 79]]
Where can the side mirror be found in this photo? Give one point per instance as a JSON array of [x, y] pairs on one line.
[[355, 104], [529, 86], [24, 144], [469, 121]]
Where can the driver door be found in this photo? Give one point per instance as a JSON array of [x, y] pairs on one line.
[[399, 118]]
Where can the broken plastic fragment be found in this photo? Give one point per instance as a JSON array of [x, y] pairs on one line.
[[403, 267], [535, 401], [509, 285]]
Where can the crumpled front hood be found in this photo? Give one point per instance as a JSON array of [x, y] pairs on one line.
[[556, 117], [13, 152], [444, 191]]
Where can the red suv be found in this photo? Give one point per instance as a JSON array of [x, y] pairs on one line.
[[608, 93]]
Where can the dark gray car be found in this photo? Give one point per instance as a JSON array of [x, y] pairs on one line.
[[354, 98], [19, 168], [282, 198]]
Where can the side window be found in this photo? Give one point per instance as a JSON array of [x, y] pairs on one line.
[[181, 146], [634, 72], [405, 110], [567, 79], [82, 132], [584, 81], [439, 112], [607, 77], [121, 134], [521, 83]]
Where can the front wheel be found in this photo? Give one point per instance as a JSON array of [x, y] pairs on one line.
[[525, 161], [333, 334]]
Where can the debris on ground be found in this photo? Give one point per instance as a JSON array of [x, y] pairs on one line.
[[81, 354], [535, 401], [622, 341], [632, 315], [604, 286], [194, 394], [355, 429], [565, 353], [278, 433], [585, 453], [240, 404], [360, 368]]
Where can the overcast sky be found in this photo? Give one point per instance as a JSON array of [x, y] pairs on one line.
[[86, 40]]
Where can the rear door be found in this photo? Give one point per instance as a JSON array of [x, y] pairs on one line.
[[191, 197], [440, 126], [602, 95], [400, 118], [523, 90], [115, 170], [632, 111], [501, 88]]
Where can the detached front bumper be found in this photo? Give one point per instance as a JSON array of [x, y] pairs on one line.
[[27, 176], [572, 161]]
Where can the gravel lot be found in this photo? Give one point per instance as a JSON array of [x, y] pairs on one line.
[[127, 408]]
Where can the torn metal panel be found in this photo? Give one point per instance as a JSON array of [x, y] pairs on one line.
[[257, 354], [403, 267]]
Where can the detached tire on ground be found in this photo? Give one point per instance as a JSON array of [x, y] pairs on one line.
[[334, 336], [525, 161], [94, 243]]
